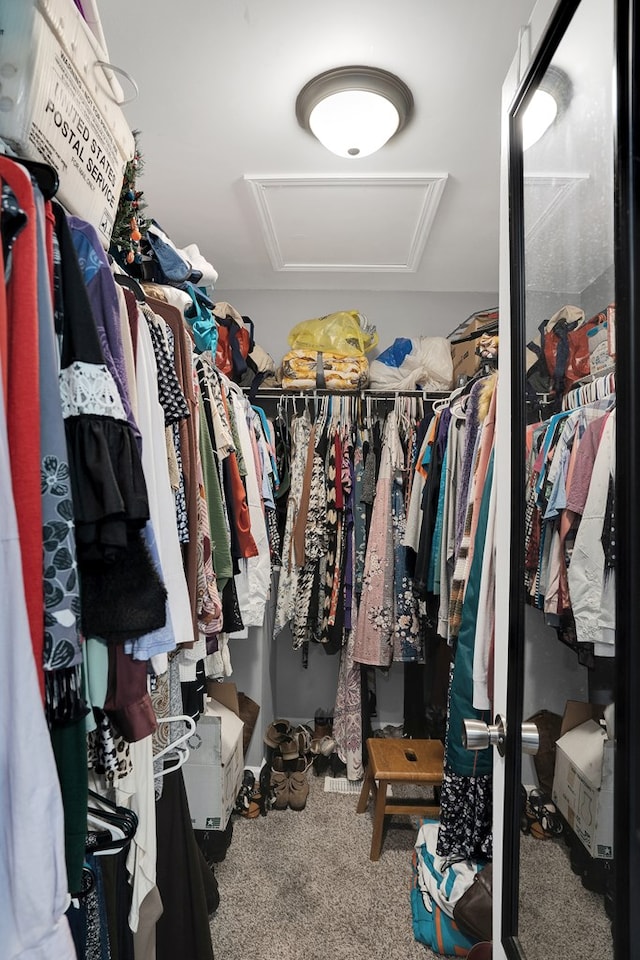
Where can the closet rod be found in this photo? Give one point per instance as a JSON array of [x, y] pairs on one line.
[[388, 396]]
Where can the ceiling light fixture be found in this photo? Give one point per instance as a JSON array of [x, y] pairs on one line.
[[353, 111], [549, 101]]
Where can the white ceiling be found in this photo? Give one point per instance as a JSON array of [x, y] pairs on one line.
[[218, 82]]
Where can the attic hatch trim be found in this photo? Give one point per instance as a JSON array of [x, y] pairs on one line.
[[433, 187]]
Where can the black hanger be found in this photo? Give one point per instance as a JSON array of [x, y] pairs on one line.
[[14, 220], [124, 280], [44, 175], [109, 810]]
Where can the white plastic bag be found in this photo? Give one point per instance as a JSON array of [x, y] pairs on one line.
[[428, 366]]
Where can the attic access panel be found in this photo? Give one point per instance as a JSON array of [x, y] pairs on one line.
[[346, 224]]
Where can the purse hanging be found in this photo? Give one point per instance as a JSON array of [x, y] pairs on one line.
[[472, 912], [202, 322]]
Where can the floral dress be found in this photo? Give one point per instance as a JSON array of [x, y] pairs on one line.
[[289, 573], [407, 640], [375, 623]]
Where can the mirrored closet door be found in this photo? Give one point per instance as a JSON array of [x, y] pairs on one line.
[[570, 842]]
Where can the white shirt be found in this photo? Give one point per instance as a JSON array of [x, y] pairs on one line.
[[33, 875]]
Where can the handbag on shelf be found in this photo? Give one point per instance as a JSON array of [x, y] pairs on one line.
[[472, 912], [235, 341]]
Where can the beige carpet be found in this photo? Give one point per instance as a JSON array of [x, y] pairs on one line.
[[300, 886], [559, 919]]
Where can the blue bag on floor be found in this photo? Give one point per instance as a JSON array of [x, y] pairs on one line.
[[433, 927]]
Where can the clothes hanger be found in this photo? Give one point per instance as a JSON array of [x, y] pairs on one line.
[[45, 176], [108, 809], [177, 747], [13, 222], [440, 404], [182, 755], [114, 826], [124, 280], [180, 718], [113, 831]]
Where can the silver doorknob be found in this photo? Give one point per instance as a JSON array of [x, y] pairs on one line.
[[478, 735], [530, 738]]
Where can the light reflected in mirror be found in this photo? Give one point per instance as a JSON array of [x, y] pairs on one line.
[[566, 844]]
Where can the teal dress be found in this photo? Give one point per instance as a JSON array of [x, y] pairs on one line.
[[466, 797]]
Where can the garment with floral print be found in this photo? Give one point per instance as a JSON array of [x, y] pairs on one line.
[[347, 715], [375, 622], [62, 639], [287, 584], [305, 625], [359, 514], [407, 640], [61, 588]]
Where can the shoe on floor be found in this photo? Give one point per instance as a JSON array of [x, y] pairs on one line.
[[280, 784], [299, 786], [276, 733]]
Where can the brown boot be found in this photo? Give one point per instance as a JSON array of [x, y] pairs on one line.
[[323, 725], [299, 785], [280, 784]]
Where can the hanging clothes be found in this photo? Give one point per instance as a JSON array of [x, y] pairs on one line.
[[465, 801], [289, 573], [32, 902]]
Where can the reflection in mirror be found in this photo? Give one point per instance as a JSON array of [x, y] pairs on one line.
[[566, 847]]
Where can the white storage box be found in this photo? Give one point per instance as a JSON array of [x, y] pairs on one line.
[[58, 106], [583, 786], [213, 773]]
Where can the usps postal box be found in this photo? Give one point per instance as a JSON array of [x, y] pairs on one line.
[[213, 773], [59, 105], [583, 786]]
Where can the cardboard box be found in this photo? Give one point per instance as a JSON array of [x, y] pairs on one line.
[[464, 341], [60, 106], [466, 361], [599, 340], [213, 773], [475, 324], [583, 779]]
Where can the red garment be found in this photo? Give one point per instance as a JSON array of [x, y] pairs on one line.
[[23, 403], [49, 227], [4, 332], [240, 510]]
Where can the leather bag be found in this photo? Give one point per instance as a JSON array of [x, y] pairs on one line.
[[235, 341], [472, 912]]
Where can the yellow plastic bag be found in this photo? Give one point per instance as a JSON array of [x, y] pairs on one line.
[[347, 332]]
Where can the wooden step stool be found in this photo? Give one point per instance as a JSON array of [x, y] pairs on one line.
[[395, 760]]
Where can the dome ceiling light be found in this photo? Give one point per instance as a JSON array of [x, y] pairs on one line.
[[353, 111], [547, 105]]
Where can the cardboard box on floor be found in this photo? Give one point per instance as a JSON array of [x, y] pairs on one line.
[[583, 779], [213, 773]]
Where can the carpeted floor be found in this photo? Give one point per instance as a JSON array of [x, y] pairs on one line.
[[300, 886], [555, 909]]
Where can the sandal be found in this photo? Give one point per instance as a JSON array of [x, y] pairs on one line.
[[544, 821], [324, 746], [303, 734]]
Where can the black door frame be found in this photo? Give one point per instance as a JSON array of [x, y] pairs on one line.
[[626, 927]]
